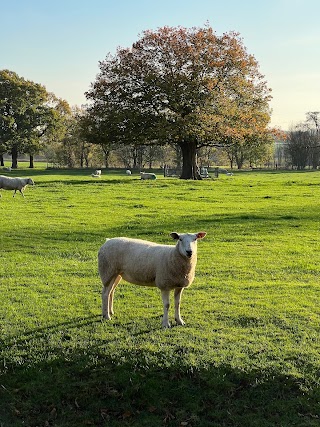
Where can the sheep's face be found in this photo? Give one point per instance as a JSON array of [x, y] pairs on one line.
[[187, 243], [30, 181]]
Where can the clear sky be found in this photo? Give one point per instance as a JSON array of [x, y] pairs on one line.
[[59, 43]]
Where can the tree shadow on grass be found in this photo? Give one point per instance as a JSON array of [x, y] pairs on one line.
[[69, 387]]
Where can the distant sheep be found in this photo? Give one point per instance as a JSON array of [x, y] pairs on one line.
[[97, 173], [7, 169], [145, 175], [225, 171], [146, 263], [8, 183], [128, 172]]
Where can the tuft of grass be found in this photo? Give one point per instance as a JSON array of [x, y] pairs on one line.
[[249, 353]]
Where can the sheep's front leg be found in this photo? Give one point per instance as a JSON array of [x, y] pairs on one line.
[[177, 299], [166, 305]]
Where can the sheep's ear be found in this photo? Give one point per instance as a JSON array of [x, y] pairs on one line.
[[174, 235], [201, 234]]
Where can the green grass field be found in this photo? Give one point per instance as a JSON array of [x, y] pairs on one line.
[[249, 354]]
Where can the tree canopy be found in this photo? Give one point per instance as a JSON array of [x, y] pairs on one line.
[[27, 113], [188, 87]]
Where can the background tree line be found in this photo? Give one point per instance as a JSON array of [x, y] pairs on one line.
[[34, 121], [178, 97]]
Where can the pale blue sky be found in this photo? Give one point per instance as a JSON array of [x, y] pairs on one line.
[[59, 43]]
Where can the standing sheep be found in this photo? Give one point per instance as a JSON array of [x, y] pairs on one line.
[[8, 183], [146, 263]]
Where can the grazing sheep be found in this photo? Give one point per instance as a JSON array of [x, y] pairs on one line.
[[128, 172], [7, 169], [97, 173], [8, 183], [226, 172], [146, 263], [144, 175]]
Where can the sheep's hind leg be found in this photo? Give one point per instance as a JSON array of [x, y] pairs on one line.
[[177, 299], [107, 296], [115, 284], [166, 305]]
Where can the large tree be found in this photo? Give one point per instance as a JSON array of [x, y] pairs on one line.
[[27, 112], [188, 87]]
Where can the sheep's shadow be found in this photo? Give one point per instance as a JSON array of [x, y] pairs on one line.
[[73, 385]]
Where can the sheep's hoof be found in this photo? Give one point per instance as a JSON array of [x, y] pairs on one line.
[[106, 317], [166, 325], [180, 322]]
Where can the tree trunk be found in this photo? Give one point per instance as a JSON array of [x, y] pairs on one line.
[[134, 157], [189, 161], [1, 160], [31, 165], [239, 158], [14, 155], [106, 158]]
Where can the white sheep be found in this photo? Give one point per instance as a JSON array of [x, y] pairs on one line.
[[146, 263], [96, 174], [128, 172], [8, 183], [145, 175]]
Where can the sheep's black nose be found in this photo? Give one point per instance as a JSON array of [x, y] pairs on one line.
[[189, 254]]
